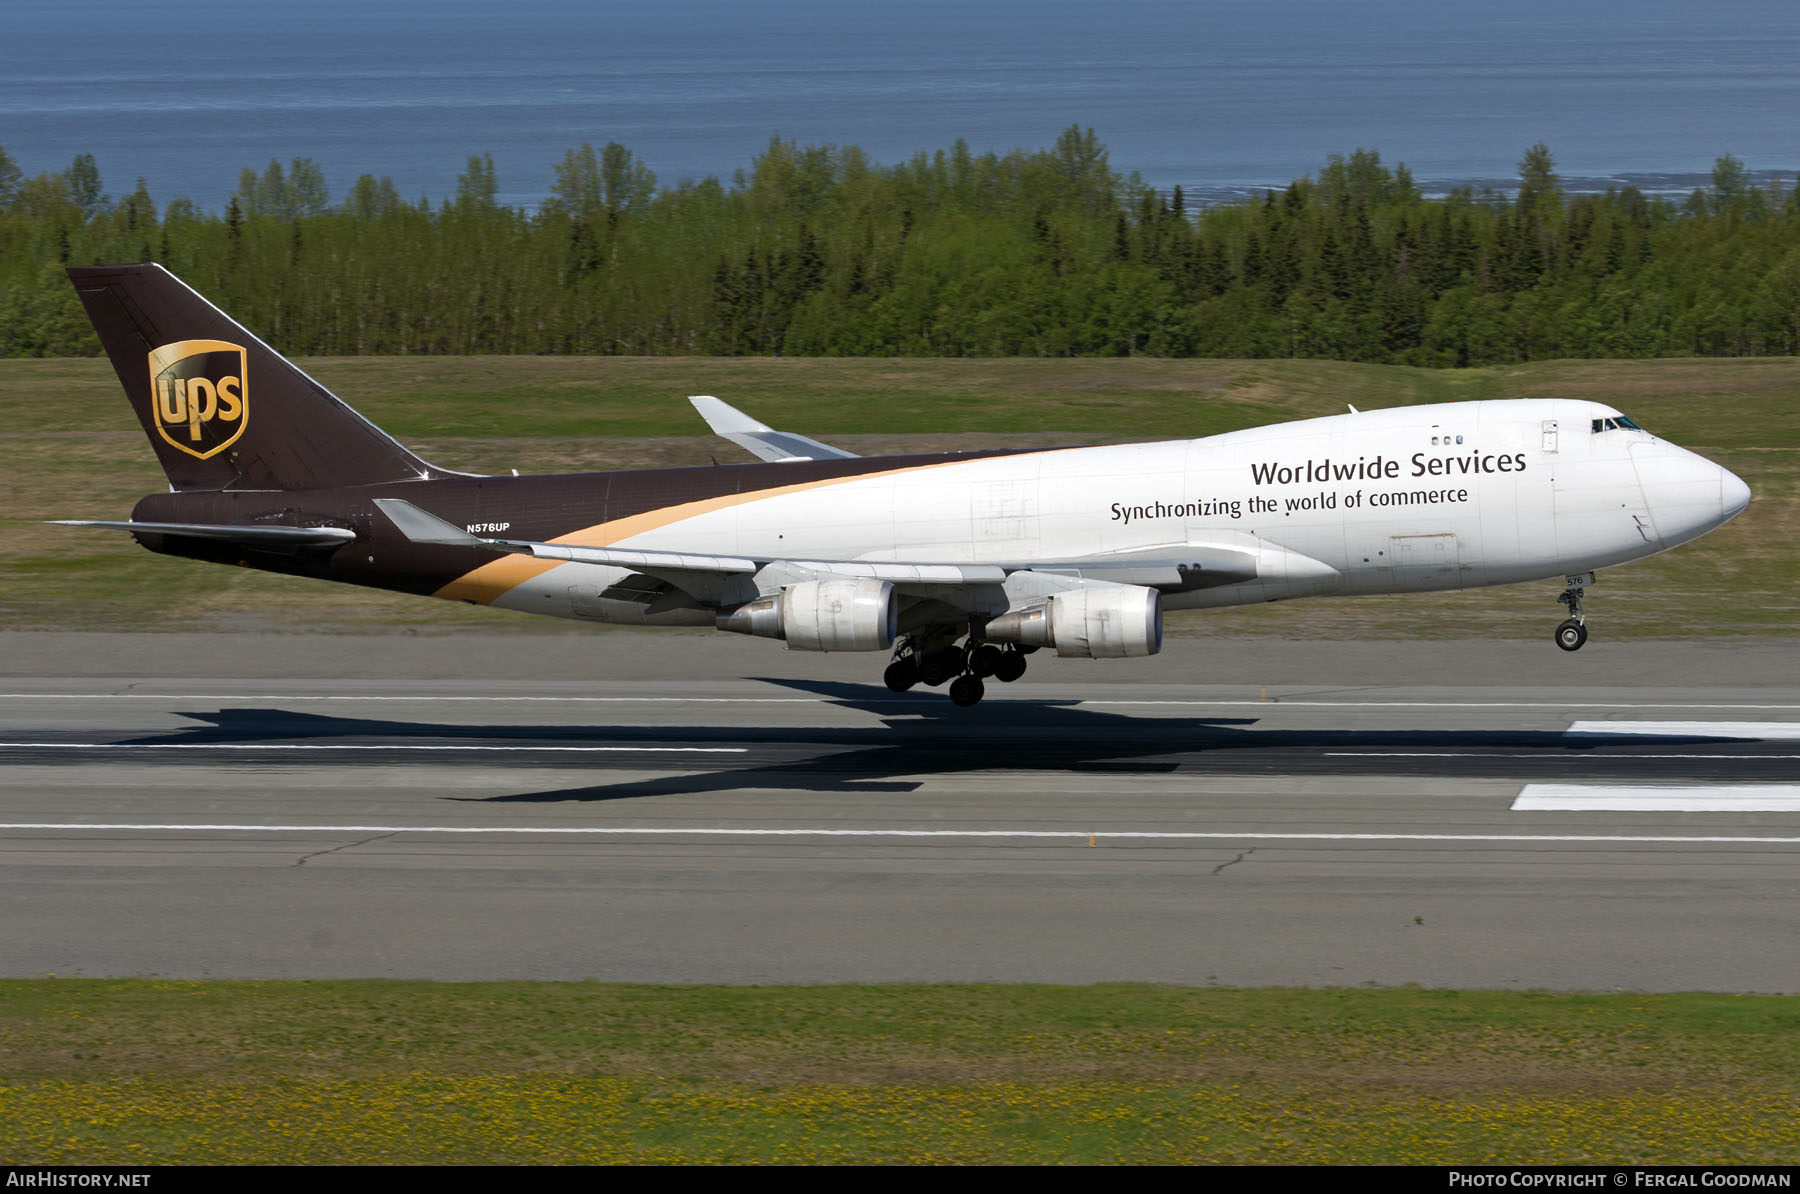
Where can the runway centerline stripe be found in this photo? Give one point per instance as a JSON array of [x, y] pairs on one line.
[[1563, 755], [1439, 704], [695, 750], [1692, 729], [1659, 798], [884, 700], [804, 832]]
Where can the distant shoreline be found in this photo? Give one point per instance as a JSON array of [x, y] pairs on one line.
[[1672, 184]]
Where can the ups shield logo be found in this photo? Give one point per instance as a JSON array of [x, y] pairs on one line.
[[200, 394]]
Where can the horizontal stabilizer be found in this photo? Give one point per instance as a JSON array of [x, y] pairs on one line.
[[250, 536], [759, 438]]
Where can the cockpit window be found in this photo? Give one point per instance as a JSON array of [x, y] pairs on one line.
[[1616, 423]]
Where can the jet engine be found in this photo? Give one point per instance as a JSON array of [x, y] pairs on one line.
[[1101, 622], [839, 614]]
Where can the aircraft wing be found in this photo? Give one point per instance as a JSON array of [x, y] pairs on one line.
[[249, 536], [759, 438], [1171, 569]]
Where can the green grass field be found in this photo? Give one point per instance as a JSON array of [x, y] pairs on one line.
[[74, 451], [151, 1072]]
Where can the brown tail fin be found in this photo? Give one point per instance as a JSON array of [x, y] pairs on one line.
[[222, 409]]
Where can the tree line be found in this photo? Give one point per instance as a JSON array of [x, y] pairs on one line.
[[818, 250]]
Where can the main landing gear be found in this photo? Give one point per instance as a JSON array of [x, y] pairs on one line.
[[923, 661], [1572, 633]]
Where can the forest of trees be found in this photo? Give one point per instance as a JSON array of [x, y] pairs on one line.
[[819, 251]]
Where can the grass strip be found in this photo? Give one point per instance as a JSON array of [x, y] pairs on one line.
[[157, 1072]]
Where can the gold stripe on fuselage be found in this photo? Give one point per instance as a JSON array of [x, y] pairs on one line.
[[497, 578]]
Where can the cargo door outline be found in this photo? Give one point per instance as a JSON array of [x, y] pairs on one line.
[[1426, 561]]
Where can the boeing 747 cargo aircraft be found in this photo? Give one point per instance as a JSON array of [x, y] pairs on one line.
[[960, 565]]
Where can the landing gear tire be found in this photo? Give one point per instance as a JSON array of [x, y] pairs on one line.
[[985, 660], [966, 690], [940, 666], [901, 675], [1010, 667], [1570, 635]]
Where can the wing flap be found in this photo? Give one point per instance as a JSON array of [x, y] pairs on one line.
[[1170, 569], [905, 573]]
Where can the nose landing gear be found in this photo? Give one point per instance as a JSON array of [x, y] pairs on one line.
[[1572, 633]]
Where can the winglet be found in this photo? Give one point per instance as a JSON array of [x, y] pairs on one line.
[[725, 418], [758, 437]]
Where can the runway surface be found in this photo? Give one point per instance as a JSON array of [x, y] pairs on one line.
[[677, 808]]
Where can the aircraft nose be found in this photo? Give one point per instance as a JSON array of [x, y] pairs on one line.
[[1688, 494], [1734, 495]]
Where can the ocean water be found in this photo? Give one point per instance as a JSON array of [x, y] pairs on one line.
[[1221, 98]]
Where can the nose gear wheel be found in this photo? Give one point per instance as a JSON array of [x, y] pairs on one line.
[[1572, 632]]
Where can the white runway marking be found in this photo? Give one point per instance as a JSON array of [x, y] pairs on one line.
[[802, 832], [706, 750], [1692, 729], [290, 696], [1444, 704], [1659, 798], [1498, 754]]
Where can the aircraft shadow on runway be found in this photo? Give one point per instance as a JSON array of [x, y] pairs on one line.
[[924, 734]]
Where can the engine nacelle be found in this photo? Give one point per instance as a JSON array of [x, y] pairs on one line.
[[840, 614], [1102, 622]]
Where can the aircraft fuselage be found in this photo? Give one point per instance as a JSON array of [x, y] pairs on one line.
[[1402, 500]]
